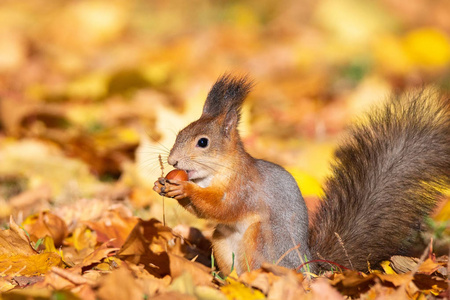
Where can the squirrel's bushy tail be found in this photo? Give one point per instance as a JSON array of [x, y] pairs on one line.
[[387, 177]]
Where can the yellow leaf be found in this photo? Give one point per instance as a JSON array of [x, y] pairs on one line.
[[233, 274], [390, 55], [82, 237], [127, 135], [5, 285], [308, 184], [387, 268], [185, 284], [236, 290], [428, 47], [49, 244], [17, 257], [443, 213], [91, 86], [29, 265]]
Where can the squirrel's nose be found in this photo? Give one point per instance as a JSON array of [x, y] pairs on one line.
[[172, 161]]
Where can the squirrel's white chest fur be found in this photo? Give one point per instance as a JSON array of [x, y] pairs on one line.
[[203, 182], [228, 242]]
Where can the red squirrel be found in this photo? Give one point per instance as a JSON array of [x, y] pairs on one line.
[[387, 176]]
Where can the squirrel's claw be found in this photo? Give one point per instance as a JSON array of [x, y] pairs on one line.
[[171, 188], [159, 188]]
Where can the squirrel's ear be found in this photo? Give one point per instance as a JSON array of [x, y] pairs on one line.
[[231, 121], [226, 95]]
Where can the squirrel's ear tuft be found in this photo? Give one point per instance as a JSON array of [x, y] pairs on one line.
[[227, 95]]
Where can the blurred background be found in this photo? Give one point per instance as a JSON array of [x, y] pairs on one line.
[[91, 92]]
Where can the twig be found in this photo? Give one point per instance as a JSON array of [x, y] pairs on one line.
[[345, 251], [286, 253], [162, 175]]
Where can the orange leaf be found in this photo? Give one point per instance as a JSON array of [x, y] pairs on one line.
[[29, 265], [113, 225], [14, 241], [120, 284], [97, 255], [46, 223]]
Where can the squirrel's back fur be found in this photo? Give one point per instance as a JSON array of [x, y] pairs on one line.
[[387, 177]]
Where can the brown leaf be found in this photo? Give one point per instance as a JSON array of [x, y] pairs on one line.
[[147, 235], [31, 198], [60, 279], [46, 223], [322, 289], [352, 283], [150, 243], [114, 226], [14, 241], [6, 285], [288, 288], [24, 281], [19, 258], [174, 296], [429, 266], [396, 279], [264, 278], [72, 275], [146, 245], [120, 284], [97, 255], [403, 264], [200, 273], [430, 284]]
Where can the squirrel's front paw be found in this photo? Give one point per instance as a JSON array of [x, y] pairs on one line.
[[177, 189], [160, 186]]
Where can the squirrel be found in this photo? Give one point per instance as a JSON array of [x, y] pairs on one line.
[[387, 177]]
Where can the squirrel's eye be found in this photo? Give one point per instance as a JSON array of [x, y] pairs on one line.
[[202, 143]]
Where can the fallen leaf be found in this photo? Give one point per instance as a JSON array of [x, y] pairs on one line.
[[31, 197], [113, 226], [19, 258], [352, 283], [97, 255], [403, 264], [82, 238], [45, 223], [29, 265], [174, 296], [6, 285], [151, 244], [430, 284], [179, 265], [24, 281], [429, 266], [186, 284], [322, 289], [288, 287], [14, 241], [120, 284], [237, 290]]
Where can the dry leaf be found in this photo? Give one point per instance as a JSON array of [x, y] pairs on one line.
[[97, 255], [29, 265], [46, 223], [321, 288], [113, 226], [14, 241], [237, 290], [120, 284]]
